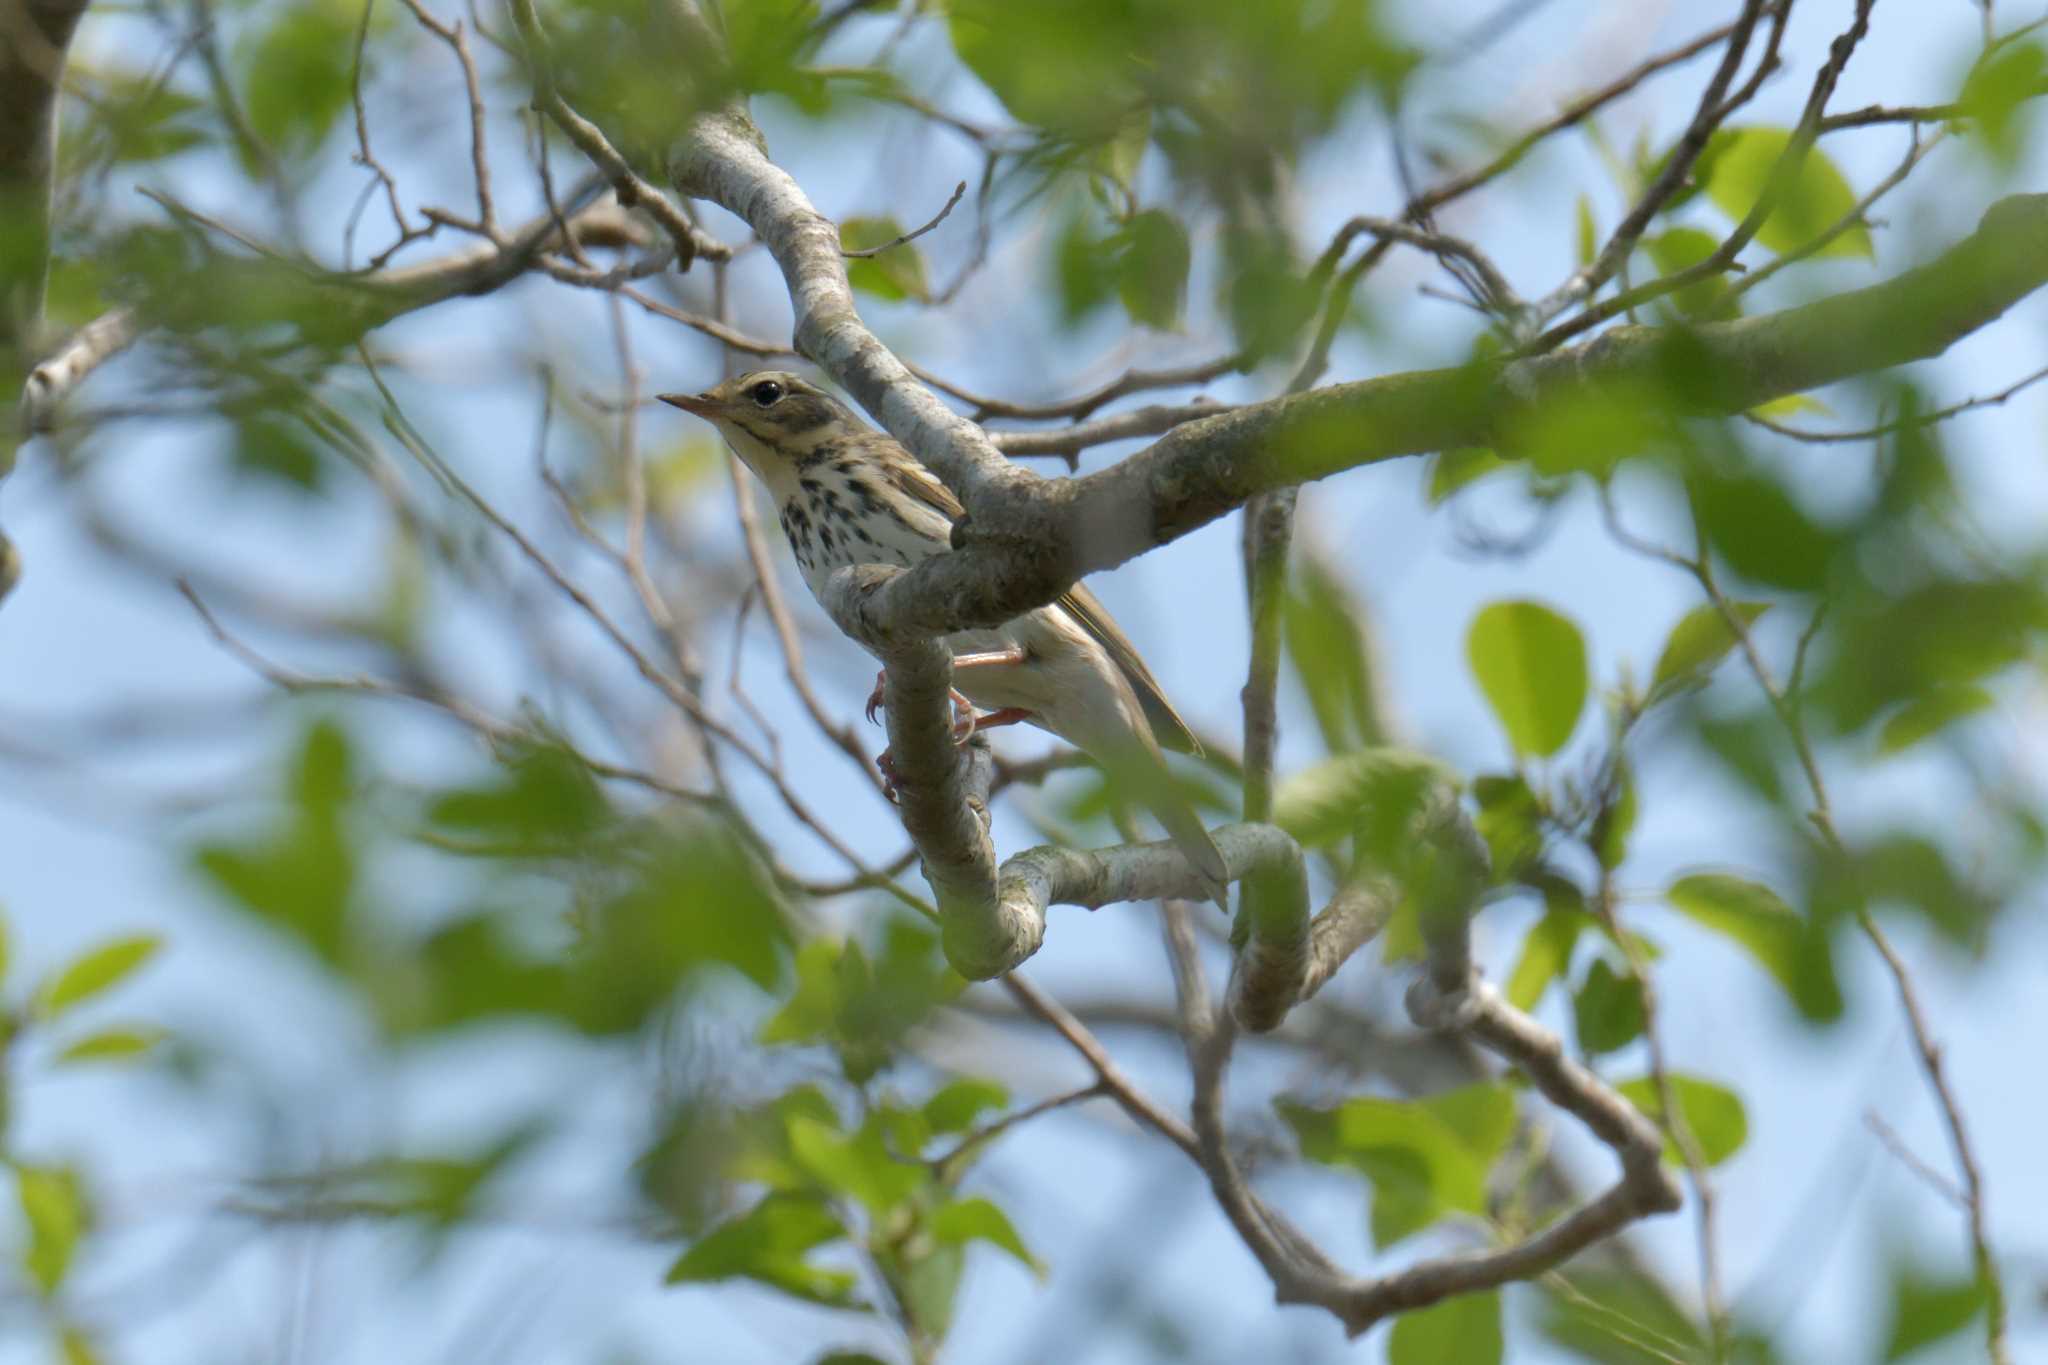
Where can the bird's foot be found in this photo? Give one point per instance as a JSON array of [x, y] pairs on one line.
[[964, 721], [892, 781]]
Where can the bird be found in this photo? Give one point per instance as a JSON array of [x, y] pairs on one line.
[[851, 495]]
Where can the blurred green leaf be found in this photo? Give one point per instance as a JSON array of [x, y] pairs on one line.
[[1929, 714], [277, 447], [1681, 248], [1619, 1318], [1813, 200], [1772, 932], [1152, 261], [77, 1347], [1374, 792], [1266, 294], [1084, 270], [1615, 820], [1546, 954], [542, 800], [144, 117], [1607, 1009], [300, 876], [110, 1045], [1929, 641], [895, 274], [859, 1165], [1464, 1328], [1698, 643], [1713, 1112], [1995, 95], [1926, 1309], [1451, 470], [1425, 1158], [1510, 820], [295, 75], [1758, 527], [96, 970], [1329, 645], [958, 1104], [978, 1220], [861, 1008], [6, 944], [768, 1243], [54, 1207], [1908, 869], [1586, 235], [1588, 429], [1531, 664]]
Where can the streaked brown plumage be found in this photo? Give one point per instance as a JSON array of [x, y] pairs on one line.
[[849, 494]]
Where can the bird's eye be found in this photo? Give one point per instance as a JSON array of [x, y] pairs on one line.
[[766, 393]]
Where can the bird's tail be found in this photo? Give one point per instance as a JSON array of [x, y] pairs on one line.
[[1132, 758]]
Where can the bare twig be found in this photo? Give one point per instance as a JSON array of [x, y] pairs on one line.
[[912, 236]]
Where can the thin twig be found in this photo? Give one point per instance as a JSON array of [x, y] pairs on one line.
[[895, 242]]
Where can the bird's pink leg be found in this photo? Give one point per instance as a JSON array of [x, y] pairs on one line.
[[963, 729], [960, 703]]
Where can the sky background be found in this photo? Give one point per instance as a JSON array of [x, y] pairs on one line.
[[91, 847]]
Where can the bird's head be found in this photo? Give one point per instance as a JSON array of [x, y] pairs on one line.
[[772, 418]]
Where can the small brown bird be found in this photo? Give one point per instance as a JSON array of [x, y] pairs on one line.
[[851, 495]]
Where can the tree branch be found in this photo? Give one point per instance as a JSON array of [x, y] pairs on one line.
[[1206, 468]]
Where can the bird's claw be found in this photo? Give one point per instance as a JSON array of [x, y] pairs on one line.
[[964, 719]]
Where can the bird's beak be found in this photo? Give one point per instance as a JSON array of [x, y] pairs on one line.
[[699, 404]]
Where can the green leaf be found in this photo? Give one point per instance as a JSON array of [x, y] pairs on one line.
[[145, 118], [1451, 470], [1925, 1309], [1607, 1010], [541, 802], [1510, 820], [1546, 954], [1153, 258], [768, 1243], [1586, 240], [1331, 650], [957, 1105], [5, 945], [296, 75], [1425, 1159], [860, 1165], [1813, 200], [1586, 429], [98, 969], [978, 1220], [895, 274], [1601, 1315], [54, 1208], [1791, 405], [1713, 1112], [1464, 1328], [1929, 714], [1374, 792], [1616, 819], [1698, 643], [1681, 248], [1772, 932], [1994, 94], [1531, 664], [278, 447], [1760, 529], [110, 1045]]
